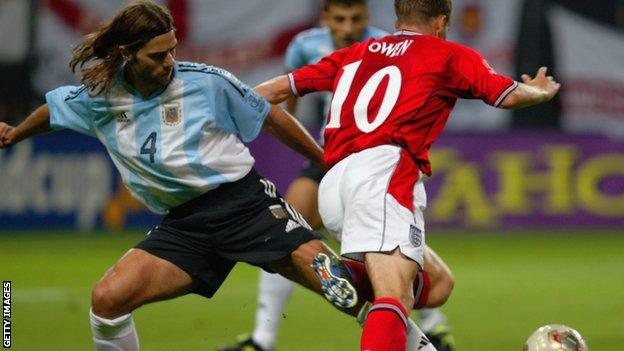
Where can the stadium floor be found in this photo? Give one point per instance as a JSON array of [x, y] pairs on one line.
[[506, 286]]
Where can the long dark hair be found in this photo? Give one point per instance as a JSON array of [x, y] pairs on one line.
[[98, 58]]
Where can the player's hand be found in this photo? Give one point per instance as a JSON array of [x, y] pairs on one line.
[[547, 84], [7, 135]]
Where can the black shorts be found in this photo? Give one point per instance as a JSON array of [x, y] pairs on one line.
[[246, 221], [312, 171]]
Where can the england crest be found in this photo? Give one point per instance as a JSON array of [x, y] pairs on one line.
[[171, 114], [415, 236]]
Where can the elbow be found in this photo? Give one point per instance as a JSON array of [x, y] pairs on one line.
[[440, 290], [269, 122], [266, 94], [275, 90]]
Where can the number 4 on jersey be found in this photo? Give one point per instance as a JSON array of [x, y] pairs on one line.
[[151, 149], [360, 109]]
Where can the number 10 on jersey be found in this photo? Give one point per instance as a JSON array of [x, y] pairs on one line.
[[360, 109]]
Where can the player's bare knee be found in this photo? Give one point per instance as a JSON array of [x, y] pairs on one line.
[[107, 302], [437, 298], [306, 252], [405, 296], [441, 291], [408, 301], [314, 220], [449, 284]]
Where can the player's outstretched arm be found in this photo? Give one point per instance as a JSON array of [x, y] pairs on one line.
[[532, 91], [291, 103], [36, 123], [275, 90], [289, 131]]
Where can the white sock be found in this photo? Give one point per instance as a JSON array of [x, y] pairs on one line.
[[273, 294], [416, 339], [430, 318], [117, 334]]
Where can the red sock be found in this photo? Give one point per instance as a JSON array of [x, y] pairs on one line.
[[361, 282], [422, 285], [386, 327]]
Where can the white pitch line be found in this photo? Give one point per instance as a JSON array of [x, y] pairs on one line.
[[44, 294]]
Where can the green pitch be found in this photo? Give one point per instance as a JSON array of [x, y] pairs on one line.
[[506, 286]]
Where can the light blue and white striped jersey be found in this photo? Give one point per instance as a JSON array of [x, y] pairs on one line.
[[176, 144], [311, 45]]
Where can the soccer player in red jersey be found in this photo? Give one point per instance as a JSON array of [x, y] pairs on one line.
[[392, 98]]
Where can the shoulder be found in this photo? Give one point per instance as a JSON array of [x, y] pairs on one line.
[[311, 35], [70, 94], [445, 50], [202, 74], [195, 70], [458, 49]]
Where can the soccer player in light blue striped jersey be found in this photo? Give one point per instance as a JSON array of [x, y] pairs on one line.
[[168, 150], [175, 131]]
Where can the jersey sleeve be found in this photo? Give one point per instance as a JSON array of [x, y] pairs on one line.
[[295, 57], [319, 76], [473, 78], [239, 109], [70, 108]]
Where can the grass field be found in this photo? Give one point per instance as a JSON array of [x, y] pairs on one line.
[[506, 286]]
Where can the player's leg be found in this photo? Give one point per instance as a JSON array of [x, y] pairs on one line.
[[302, 195], [440, 276], [381, 200], [291, 245], [435, 325], [138, 278], [416, 339], [273, 294], [432, 321], [178, 256], [295, 268], [392, 276], [431, 288], [298, 268], [273, 289]]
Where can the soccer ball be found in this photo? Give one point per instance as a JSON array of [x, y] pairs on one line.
[[555, 337]]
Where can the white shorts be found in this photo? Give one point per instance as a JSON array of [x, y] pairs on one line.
[[373, 201]]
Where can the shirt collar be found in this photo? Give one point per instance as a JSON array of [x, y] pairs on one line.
[[406, 32]]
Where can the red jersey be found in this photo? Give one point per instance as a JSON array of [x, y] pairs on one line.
[[397, 90]]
